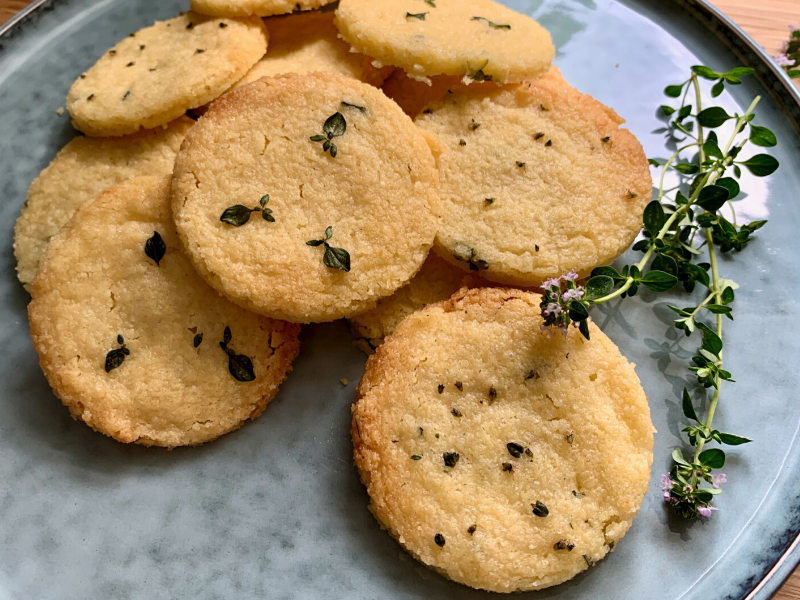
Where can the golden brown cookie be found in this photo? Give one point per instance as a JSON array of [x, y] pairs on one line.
[[536, 179], [412, 95], [155, 75], [306, 197], [130, 337], [262, 8], [506, 458], [81, 170], [305, 42], [477, 40]]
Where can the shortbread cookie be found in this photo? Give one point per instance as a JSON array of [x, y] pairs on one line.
[[537, 179], [437, 280], [134, 343], [306, 42], [506, 458], [412, 95], [326, 226], [81, 170], [478, 40], [262, 8], [157, 74]]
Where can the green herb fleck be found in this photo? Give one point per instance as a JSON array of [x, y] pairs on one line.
[[239, 365], [130, 64], [543, 107], [489, 200], [472, 529], [632, 195], [334, 126], [564, 545], [569, 437], [155, 248], [540, 510], [198, 339], [578, 494], [440, 388], [520, 164], [335, 258], [492, 394], [491, 24], [115, 358], [588, 559], [508, 467], [420, 16], [450, 459], [515, 449], [363, 109], [439, 539], [416, 457], [473, 126], [606, 139], [462, 142], [436, 435], [199, 51], [456, 412], [127, 95], [538, 136], [238, 214], [475, 264], [532, 375], [459, 386], [223, 25], [548, 143]]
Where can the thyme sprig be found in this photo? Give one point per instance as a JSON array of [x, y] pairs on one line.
[[334, 126], [335, 258], [678, 233], [238, 214]]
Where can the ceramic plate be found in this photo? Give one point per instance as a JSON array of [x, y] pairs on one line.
[[275, 510]]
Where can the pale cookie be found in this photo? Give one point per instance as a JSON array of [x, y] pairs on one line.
[[166, 381], [437, 280], [536, 180], [506, 458], [157, 74], [478, 40], [306, 42], [262, 8], [412, 95], [81, 170], [365, 199]]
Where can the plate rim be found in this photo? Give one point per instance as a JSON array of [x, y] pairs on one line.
[[738, 40]]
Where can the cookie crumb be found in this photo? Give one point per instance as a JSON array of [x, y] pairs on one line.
[[344, 381], [60, 111]]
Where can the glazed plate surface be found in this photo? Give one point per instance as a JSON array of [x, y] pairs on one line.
[[276, 510]]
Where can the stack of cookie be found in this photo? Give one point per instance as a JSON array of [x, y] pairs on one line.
[[254, 165]]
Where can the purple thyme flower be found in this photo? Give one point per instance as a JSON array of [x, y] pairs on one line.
[[717, 480], [783, 60], [705, 511], [571, 276], [549, 283]]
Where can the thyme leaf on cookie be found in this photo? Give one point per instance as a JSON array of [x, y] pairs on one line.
[[334, 126], [450, 459], [420, 16], [116, 357], [470, 255], [683, 236], [335, 258], [540, 510], [491, 24], [238, 214], [155, 248], [362, 109], [239, 365], [198, 339]]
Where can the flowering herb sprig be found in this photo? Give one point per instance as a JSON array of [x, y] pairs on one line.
[[678, 234], [789, 56]]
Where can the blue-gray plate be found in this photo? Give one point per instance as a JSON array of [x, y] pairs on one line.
[[275, 510]]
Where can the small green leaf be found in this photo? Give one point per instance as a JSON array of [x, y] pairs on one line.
[[711, 341], [416, 457], [198, 339], [264, 200], [677, 456], [711, 148], [363, 109], [739, 72], [730, 184], [155, 248], [686, 168], [240, 367], [318, 138], [609, 272], [705, 72], [658, 281], [336, 258], [712, 197], [328, 232], [674, 91], [115, 358], [654, 217], [515, 449], [420, 16], [236, 215], [733, 440], [718, 88], [761, 165], [577, 311], [583, 327], [267, 214], [688, 407], [491, 24], [713, 117], [665, 263], [335, 125], [315, 242], [714, 458], [761, 136], [667, 110], [599, 286]]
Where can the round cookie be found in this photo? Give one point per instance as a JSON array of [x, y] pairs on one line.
[[478, 40], [368, 197], [412, 95], [437, 280], [262, 8], [166, 381], [305, 42], [80, 171], [503, 457], [157, 74], [560, 185]]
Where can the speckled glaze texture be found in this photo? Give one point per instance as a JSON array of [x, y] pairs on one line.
[[276, 510]]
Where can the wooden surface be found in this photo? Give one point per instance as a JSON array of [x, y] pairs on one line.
[[766, 20]]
